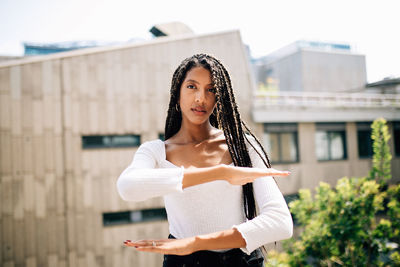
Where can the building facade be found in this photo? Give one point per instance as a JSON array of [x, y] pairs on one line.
[[314, 108], [70, 123], [306, 66]]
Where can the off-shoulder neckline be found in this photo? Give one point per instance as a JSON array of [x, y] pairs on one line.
[[164, 158]]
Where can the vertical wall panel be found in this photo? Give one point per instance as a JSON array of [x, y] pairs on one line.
[[30, 234], [5, 111], [5, 152], [19, 243]]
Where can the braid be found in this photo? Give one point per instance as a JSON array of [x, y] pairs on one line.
[[226, 116]]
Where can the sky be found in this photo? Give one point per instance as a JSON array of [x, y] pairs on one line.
[[368, 26]]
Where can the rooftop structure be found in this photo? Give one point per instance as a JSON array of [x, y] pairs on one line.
[[307, 66]]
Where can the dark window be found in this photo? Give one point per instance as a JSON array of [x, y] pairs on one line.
[[108, 141], [396, 134], [364, 139], [280, 141], [290, 198], [136, 216], [330, 141]]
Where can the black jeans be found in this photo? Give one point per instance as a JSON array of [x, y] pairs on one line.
[[231, 258]]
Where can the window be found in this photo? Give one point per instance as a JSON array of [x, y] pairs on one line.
[[396, 135], [290, 198], [364, 139], [280, 141], [108, 141], [330, 141], [136, 216]]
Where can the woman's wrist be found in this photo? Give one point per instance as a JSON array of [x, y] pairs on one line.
[[198, 244], [226, 239], [195, 176]]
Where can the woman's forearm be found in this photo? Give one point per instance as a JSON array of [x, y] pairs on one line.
[[226, 239], [233, 175], [219, 240], [137, 184], [196, 176]]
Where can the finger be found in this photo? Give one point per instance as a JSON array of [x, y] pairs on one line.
[[146, 243], [139, 243], [151, 249], [129, 244], [283, 173], [271, 171]]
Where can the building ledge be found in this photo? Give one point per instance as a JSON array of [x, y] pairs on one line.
[[324, 107]]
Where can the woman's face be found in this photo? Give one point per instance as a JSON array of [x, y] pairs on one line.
[[197, 96]]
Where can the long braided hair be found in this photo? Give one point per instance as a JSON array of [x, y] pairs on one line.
[[225, 116]]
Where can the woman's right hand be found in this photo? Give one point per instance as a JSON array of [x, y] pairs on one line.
[[234, 175], [243, 175]]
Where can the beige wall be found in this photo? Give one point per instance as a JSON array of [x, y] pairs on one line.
[[309, 172], [53, 193]]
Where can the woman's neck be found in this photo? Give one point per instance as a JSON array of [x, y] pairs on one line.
[[196, 133]]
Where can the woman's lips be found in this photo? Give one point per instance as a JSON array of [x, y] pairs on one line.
[[198, 111]]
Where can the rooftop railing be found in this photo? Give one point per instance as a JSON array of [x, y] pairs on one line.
[[329, 100]]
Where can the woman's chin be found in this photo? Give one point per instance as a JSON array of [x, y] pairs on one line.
[[198, 121]]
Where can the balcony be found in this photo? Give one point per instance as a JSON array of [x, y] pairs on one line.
[[321, 106]]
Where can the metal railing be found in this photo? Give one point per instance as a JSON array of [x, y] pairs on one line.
[[323, 99]]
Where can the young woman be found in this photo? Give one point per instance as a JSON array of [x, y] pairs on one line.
[[211, 171]]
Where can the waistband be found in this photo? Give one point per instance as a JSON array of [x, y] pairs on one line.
[[231, 257]]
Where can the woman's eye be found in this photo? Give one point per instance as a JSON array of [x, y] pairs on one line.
[[190, 86], [212, 90]]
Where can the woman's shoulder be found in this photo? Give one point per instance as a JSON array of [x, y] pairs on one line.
[[254, 146], [153, 146], [150, 143]]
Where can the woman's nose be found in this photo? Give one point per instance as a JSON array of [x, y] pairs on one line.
[[199, 97]]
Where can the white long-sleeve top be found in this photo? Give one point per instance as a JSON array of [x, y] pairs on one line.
[[208, 207]]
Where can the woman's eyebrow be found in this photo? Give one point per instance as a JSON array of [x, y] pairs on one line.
[[191, 81], [194, 81]]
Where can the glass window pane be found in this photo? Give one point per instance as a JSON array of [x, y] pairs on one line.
[[272, 146], [109, 141], [288, 147], [321, 145], [397, 142], [364, 143], [125, 140], [337, 145], [396, 137]]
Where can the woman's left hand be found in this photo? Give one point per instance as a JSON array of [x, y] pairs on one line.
[[182, 246]]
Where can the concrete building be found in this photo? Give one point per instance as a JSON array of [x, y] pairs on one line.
[[306, 66], [315, 107], [69, 125], [322, 136], [385, 86], [34, 49]]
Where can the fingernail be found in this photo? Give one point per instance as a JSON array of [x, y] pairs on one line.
[[128, 241]]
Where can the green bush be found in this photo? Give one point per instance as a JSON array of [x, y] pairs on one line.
[[357, 223]]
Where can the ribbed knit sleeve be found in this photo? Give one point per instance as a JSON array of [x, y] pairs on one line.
[[142, 179], [274, 221]]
